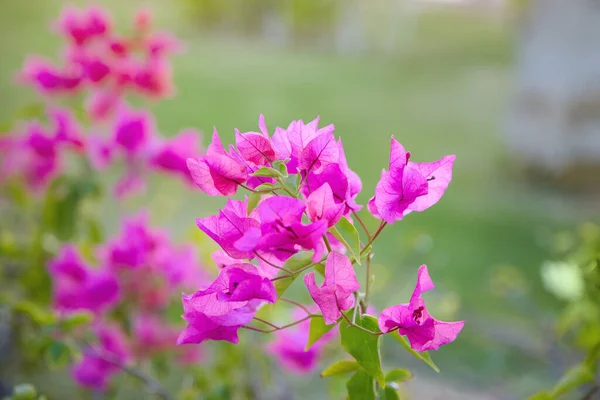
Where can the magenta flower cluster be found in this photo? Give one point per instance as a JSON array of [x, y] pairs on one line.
[[104, 67], [301, 186], [108, 65], [137, 271]]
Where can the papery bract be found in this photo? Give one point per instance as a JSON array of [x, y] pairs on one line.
[[336, 293], [217, 173], [94, 371], [321, 205], [230, 226], [171, 155], [422, 330], [438, 175], [77, 287], [282, 230]]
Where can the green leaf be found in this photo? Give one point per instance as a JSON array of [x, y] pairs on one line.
[[76, 319], [267, 172], [363, 346], [281, 167], [361, 386], [388, 393], [24, 391], [398, 375], [318, 329], [573, 378], [253, 201], [293, 264], [58, 354], [340, 367], [541, 396], [346, 233], [38, 314], [266, 188], [424, 356]]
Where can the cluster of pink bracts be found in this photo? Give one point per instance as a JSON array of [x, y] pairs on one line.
[[104, 66], [301, 187], [139, 269], [289, 219]]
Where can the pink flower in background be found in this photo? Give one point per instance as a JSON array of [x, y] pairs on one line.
[[171, 155], [337, 292], [33, 156], [289, 347], [48, 78], [77, 287], [101, 361], [80, 26], [133, 247], [422, 330], [152, 334]]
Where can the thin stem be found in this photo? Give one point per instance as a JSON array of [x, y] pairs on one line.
[[151, 384], [266, 322], [360, 327], [271, 264], [355, 214], [372, 239], [293, 274], [296, 304], [368, 282], [248, 189], [327, 243], [279, 328]]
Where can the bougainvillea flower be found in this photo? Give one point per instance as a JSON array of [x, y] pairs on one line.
[[319, 152], [230, 226], [77, 287], [438, 175], [66, 129], [289, 347], [282, 231], [94, 371], [101, 103], [321, 205], [336, 293], [217, 173], [398, 188], [171, 155], [300, 135], [256, 147], [133, 247], [422, 330], [409, 186], [241, 282], [82, 25], [152, 334], [133, 130], [48, 78]]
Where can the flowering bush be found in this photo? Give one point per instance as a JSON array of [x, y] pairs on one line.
[[298, 218], [111, 300]]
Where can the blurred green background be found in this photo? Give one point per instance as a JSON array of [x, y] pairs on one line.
[[446, 89]]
